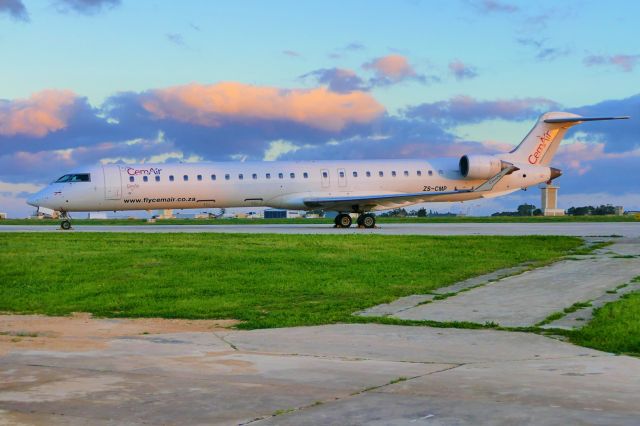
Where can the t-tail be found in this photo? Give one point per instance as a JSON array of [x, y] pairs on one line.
[[542, 142]]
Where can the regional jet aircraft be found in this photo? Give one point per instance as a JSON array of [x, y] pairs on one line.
[[349, 187]]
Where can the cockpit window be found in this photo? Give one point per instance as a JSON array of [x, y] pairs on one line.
[[78, 177]]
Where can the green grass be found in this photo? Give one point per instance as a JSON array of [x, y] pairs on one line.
[[454, 219], [263, 280], [614, 328]]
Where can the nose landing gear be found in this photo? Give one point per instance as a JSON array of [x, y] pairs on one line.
[[66, 221]]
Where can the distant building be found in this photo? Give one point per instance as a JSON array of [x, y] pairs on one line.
[[97, 215], [619, 211], [3, 215], [549, 201], [275, 214]]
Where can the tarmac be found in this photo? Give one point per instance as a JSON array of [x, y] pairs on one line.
[[336, 375], [343, 374], [629, 229]]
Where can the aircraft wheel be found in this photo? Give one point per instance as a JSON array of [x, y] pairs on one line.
[[368, 220], [65, 224], [343, 220]]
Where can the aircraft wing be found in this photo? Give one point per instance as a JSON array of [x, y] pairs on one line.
[[368, 202]]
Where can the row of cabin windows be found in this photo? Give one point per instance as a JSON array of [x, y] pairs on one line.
[[305, 175]]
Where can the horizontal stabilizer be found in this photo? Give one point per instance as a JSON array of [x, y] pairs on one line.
[[581, 119]]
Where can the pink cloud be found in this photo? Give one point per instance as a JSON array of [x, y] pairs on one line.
[[394, 67], [212, 105], [42, 113], [460, 70], [626, 63], [578, 155]]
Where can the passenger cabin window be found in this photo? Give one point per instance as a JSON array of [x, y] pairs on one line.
[[185, 178], [157, 178], [227, 177], [406, 173], [131, 178], [368, 174], [430, 172], [268, 175], [254, 176], [199, 177], [393, 173], [325, 174], [355, 174], [280, 175], [341, 174], [419, 173], [171, 178], [145, 178], [292, 175], [380, 173], [305, 175], [79, 177], [213, 177], [240, 176]]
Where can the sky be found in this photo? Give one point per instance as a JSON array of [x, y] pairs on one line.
[[121, 81]]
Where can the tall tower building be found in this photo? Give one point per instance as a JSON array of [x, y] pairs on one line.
[[550, 201]]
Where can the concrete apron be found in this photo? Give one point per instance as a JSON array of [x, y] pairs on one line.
[[336, 374]]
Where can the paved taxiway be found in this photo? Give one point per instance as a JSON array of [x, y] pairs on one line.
[[629, 229], [335, 374]]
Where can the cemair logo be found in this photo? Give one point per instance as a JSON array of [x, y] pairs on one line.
[[541, 148], [150, 171]]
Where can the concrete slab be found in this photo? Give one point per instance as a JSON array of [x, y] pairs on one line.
[[406, 344], [529, 298], [629, 229], [591, 391], [239, 377]]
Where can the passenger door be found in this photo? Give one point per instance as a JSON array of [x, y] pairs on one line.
[[112, 182]]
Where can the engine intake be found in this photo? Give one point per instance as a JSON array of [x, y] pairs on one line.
[[479, 166]]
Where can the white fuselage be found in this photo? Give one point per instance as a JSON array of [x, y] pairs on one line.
[[278, 184]]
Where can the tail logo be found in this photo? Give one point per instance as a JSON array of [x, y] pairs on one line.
[[541, 148]]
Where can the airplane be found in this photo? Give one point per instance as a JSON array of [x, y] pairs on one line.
[[357, 187]]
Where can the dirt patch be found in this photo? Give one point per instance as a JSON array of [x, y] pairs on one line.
[[81, 332]]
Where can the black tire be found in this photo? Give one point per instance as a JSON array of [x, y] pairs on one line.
[[66, 225], [344, 220], [368, 221], [359, 221]]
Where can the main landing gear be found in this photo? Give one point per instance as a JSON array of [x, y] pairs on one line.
[[66, 221], [367, 220]]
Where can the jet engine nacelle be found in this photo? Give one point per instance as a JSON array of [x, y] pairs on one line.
[[479, 166]]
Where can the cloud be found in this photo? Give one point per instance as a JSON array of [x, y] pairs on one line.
[[217, 104], [493, 6], [15, 9], [465, 110], [626, 63], [42, 113], [86, 7], [391, 68], [176, 38], [338, 80], [291, 53], [542, 51], [462, 71]]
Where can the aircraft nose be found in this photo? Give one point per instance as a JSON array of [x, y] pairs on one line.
[[33, 200]]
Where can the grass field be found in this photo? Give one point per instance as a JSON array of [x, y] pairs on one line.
[[263, 280], [451, 219], [614, 328]]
